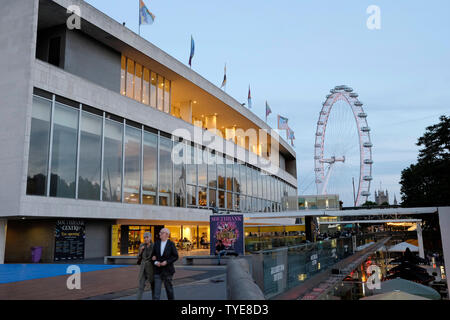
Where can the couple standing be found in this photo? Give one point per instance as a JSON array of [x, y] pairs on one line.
[[156, 262]]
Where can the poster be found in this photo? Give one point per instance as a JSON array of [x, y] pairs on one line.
[[69, 239], [230, 229]]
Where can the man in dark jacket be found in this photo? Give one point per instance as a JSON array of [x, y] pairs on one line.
[[164, 255]]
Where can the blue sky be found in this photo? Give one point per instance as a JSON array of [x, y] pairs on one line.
[[292, 52]]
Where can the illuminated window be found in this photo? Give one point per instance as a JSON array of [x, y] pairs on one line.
[[130, 78], [166, 96], [153, 90], [123, 72], [138, 83], [160, 93], [146, 87]]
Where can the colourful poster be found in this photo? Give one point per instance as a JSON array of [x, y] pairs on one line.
[[229, 228]]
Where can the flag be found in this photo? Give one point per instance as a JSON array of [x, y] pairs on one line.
[[192, 51], [224, 82], [268, 110], [290, 135], [249, 98], [282, 123], [145, 16]]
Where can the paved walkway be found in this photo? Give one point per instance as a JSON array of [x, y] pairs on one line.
[[108, 284], [212, 288]]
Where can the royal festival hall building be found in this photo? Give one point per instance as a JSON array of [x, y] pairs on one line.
[[105, 136]]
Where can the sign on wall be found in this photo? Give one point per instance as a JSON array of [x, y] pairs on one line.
[[69, 239], [230, 229]]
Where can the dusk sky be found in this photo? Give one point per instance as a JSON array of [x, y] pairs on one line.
[[293, 52]]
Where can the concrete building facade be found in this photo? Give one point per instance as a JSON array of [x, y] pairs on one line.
[[106, 136]]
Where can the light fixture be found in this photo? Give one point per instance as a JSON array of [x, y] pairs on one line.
[[195, 101]]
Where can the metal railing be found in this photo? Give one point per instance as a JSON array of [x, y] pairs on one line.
[[277, 270]]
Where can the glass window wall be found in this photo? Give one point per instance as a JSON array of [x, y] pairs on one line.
[[150, 177], [165, 171], [64, 151], [132, 178], [112, 161], [179, 171], [89, 175], [39, 147]]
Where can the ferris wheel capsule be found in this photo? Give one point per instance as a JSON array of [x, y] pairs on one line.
[[358, 103], [348, 89], [362, 115], [353, 95], [365, 129], [367, 145]]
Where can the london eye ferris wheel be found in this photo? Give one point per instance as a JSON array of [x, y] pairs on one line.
[[343, 148]]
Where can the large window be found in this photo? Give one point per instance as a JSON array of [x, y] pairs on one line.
[[150, 172], [132, 178], [64, 151], [39, 145], [130, 79], [212, 198], [143, 85], [166, 96], [202, 167], [179, 172], [146, 87], [191, 166], [249, 181], [229, 174], [153, 85], [112, 161], [202, 198], [221, 199], [90, 156], [160, 94], [165, 171], [212, 176], [221, 175], [243, 179], [138, 83], [138, 160], [191, 195]]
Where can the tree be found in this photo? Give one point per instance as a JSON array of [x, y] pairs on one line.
[[427, 183]]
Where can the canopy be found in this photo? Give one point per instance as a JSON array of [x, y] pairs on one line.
[[394, 295], [409, 287], [401, 247]]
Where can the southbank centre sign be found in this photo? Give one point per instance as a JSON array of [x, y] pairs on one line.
[[229, 228]]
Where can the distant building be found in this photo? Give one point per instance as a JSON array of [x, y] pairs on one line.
[[381, 197]]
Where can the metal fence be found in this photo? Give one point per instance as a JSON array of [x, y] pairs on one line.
[[280, 269]]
